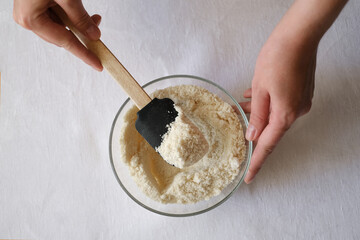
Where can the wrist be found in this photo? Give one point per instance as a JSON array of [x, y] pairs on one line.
[[301, 42], [296, 33], [306, 22]]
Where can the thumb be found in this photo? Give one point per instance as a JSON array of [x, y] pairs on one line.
[[259, 117], [97, 19], [80, 18]]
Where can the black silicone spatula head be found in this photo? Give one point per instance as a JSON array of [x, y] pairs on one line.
[[154, 119]]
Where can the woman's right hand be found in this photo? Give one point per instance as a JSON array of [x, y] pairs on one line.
[[35, 15]]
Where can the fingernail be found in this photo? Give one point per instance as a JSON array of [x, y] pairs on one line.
[[251, 180], [93, 32], [250, 132], [98, 23], [97, 68]]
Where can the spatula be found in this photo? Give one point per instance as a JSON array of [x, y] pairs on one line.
[[155, 115]]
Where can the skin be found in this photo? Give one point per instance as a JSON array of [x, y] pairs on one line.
[[35, 15], [283, 82]]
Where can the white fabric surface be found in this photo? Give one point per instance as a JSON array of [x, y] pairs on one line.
[[56, 180]]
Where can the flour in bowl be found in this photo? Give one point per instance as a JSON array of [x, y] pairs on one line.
[[207, 177], [184, 144]]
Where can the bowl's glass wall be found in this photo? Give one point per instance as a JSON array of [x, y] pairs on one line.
[[121, 169]]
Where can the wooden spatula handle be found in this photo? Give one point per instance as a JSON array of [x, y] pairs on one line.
[[110, 63]]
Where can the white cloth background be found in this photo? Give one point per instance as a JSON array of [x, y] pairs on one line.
[[56, 180]]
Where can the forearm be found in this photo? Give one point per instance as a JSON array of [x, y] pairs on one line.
[[283, 82], [307, 21]]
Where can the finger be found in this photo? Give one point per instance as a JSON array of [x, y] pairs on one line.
[[236, 109], [312, 76], [58, 35], [246, 106], [247, 93], [77, 14], [96, 18], [265, 145], [260, 103], [54, 17]]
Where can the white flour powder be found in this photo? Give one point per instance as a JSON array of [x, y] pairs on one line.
[[183, 144], [207, 177]]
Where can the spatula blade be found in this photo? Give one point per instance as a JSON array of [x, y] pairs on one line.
[[154, 119]]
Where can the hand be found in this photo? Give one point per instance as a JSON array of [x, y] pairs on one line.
[[36, 16], [283, 82], [282, 90]]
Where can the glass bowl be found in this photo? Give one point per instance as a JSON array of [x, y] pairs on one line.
[[121, 170]]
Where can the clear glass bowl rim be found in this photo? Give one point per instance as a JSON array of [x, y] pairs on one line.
[[204, 210]]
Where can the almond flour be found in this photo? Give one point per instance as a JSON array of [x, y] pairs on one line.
[[207, 177], [184, 144]]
